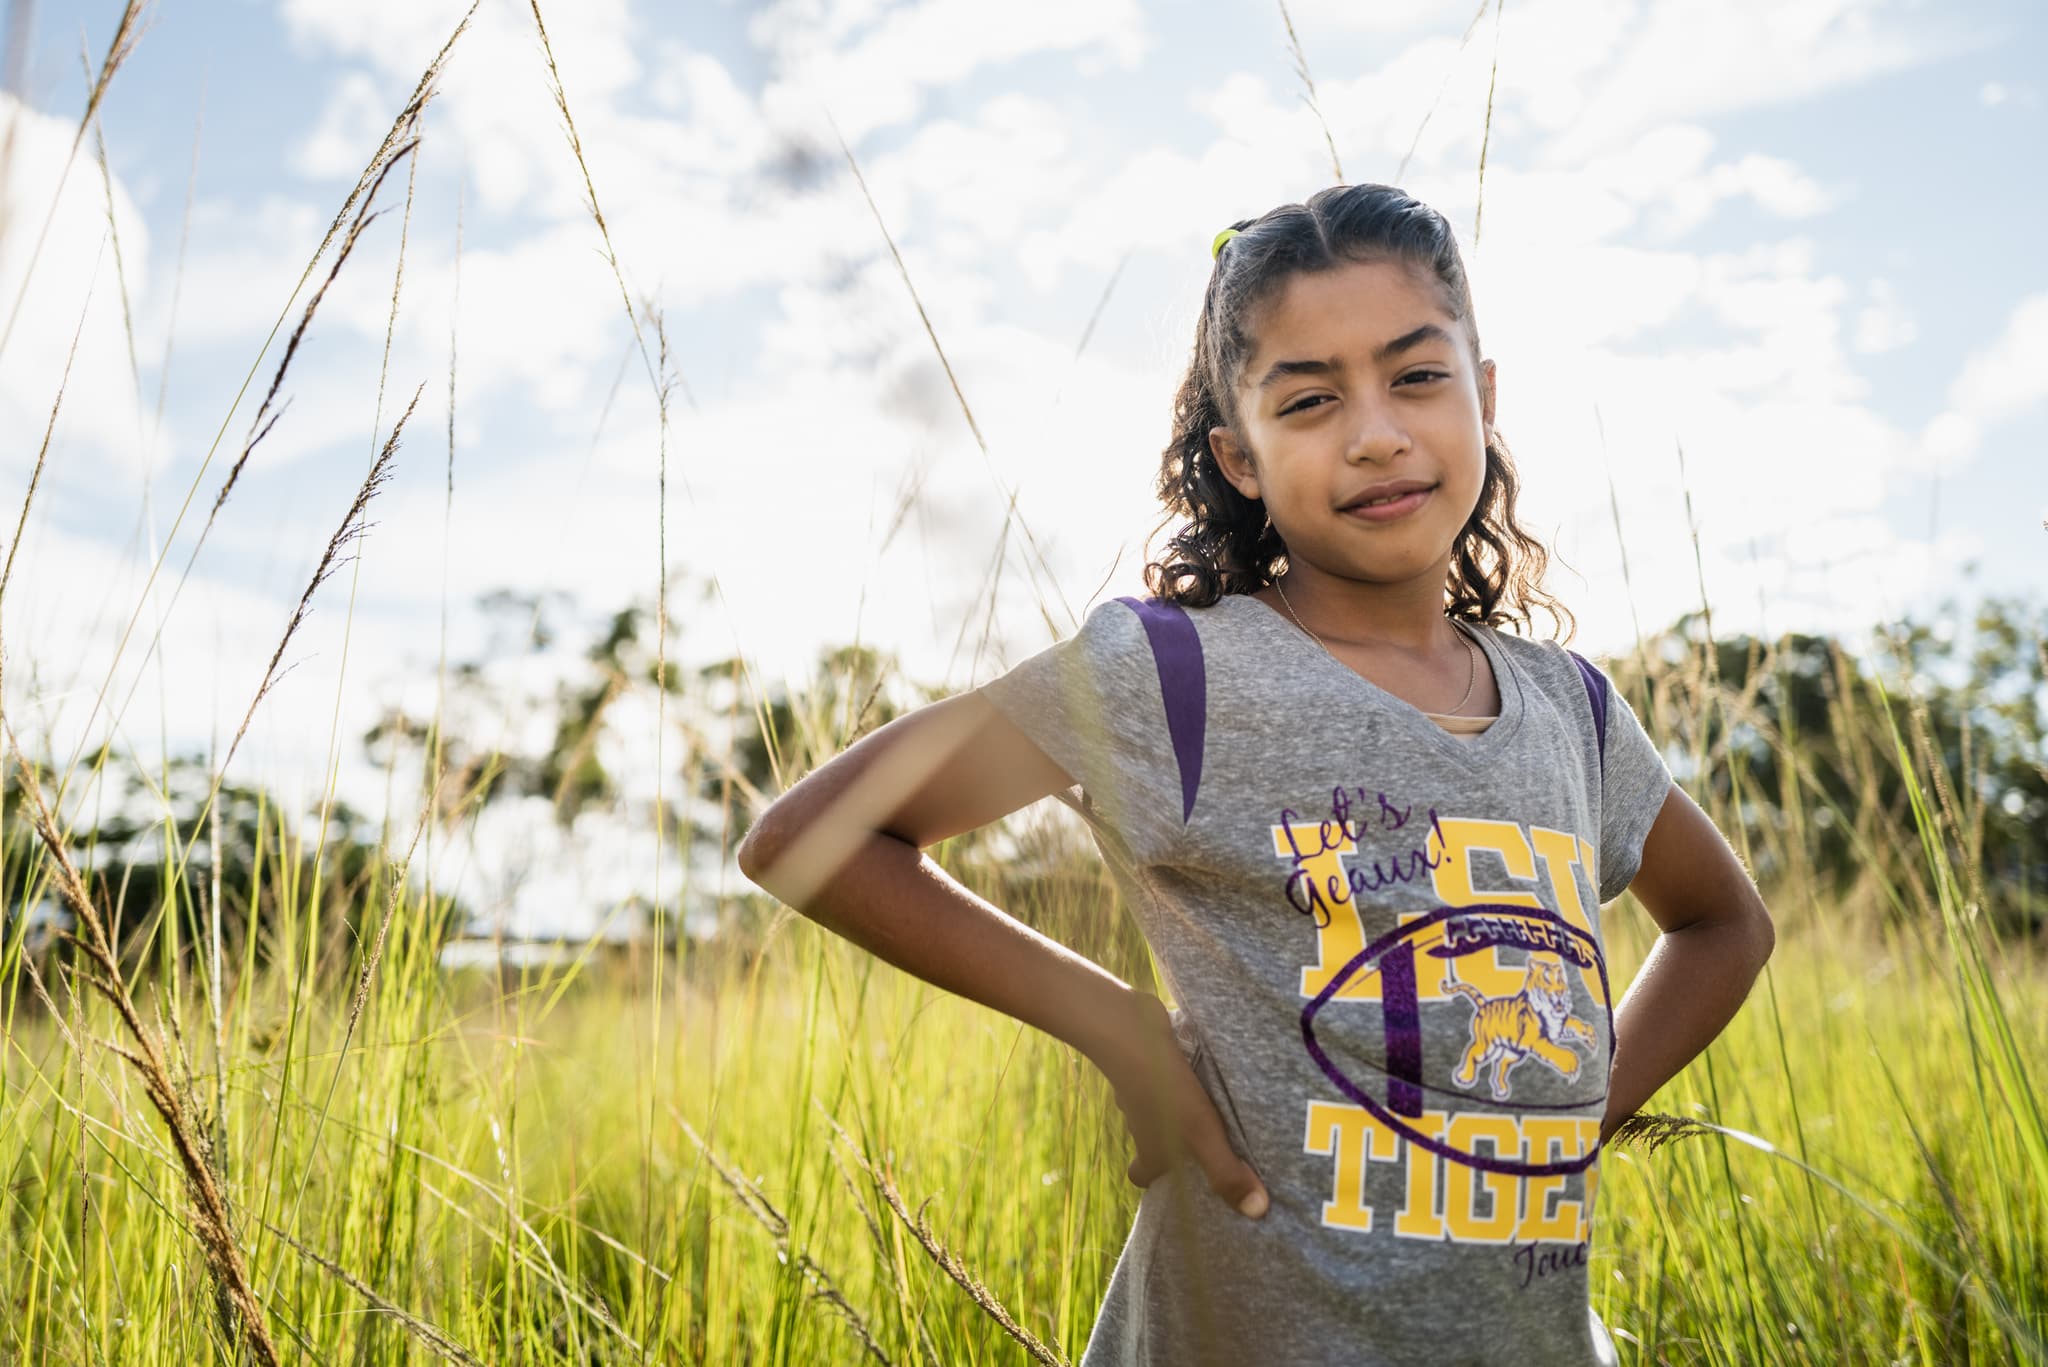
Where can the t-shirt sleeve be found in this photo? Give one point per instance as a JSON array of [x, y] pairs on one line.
[[1094, 704], [1633, 783]]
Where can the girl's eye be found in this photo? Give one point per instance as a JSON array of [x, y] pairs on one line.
[[1420, 376]]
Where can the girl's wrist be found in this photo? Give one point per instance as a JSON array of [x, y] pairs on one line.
[[1121, 1029]]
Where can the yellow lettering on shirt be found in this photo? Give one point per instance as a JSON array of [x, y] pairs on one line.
[[1560, 853], [1352, 1135], [1446, 1199], [1457, 887], [1482, 1207], [1552, 1138]]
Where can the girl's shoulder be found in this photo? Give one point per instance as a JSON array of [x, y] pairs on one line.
[[1546, 656], [1564, 675]]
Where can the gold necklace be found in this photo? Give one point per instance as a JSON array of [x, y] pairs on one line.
[[1471, 663]]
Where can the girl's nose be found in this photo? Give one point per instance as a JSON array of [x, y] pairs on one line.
[[1377, 437]]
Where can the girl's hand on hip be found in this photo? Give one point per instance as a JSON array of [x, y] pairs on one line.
[[1168, 1113]]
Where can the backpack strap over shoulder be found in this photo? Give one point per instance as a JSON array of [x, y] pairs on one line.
[[1183, 686], [1596, 693]]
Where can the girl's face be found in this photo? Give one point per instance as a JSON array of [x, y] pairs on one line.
[[1359, 377]]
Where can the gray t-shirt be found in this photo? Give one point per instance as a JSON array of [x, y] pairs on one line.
[[1384, 944]]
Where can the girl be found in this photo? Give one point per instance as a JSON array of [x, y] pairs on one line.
[[1367, 835]]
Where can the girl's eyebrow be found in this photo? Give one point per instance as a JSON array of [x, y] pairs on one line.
[[1407, 341]]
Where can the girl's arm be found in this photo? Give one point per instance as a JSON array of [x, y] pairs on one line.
[[1717, 935], [845, 846]]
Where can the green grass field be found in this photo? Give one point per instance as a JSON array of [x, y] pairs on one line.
[[517, 1175]]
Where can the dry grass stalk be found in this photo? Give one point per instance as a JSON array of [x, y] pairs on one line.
[[881, 1242], [395, 871], [773, 1220], [538, 1256], [1049, 586], [126, 32], [659, 377], [422, 93], [1486, 132], [212, 1220], [867, 1216], [947, 1261], [194, 1139], [436, 1339], [1309, 83], [376, 954], [412, 175], [1968, 837], [258, 429], [362, 220], [401, 127], [118, 48], [436, 768], [99, 137], [1650, 1131], [611, 255], [1401, 171], [352, 527]]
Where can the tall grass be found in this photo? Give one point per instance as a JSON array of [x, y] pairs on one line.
[[836, 1149], [341, 1150]]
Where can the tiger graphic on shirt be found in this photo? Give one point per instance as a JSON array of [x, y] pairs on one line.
[[1534, 1021]]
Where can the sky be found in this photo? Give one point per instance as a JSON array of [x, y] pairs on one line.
[[1796, 241]]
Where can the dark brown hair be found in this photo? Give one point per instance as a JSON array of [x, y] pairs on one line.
[[1228, 545]]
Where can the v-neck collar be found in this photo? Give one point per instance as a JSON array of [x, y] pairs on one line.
[[1469, 750]]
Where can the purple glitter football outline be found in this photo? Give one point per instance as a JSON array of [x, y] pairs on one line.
[[1370, 955]]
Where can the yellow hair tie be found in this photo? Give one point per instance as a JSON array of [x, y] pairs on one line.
[[1221, 238]]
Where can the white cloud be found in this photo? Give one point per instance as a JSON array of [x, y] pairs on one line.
[[1013, 163], [493, 91], [245, 255], [352, 125], [1313, 17], [2011, 374], [1685, 59], [218, 639], [1594, 74], [1883, 324], [871, 65], [1997, 383], [74, 292]]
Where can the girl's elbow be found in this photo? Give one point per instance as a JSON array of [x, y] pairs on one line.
[[1763, 933], [752, 858], [761, 846]]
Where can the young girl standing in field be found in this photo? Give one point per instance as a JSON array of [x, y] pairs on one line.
[[1367, 835]]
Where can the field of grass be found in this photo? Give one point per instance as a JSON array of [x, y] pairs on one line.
[[775, 1149], [733, 1169]]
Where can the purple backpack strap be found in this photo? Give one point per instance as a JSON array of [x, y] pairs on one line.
[[1596, 693], [1183, 686]]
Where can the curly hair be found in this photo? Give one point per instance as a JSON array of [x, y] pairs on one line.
[[1228, 545]]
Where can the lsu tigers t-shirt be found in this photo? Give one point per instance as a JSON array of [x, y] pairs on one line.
[[1384, 944]]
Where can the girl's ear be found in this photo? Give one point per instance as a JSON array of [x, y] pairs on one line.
[[1234, 461], [1486, 394]]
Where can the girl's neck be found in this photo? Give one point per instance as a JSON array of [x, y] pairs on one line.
[[1407, 617]]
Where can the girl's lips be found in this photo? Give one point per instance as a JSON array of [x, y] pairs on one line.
[[1388, 512]]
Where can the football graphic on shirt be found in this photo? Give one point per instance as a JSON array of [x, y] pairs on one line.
[[1505, 1028]]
